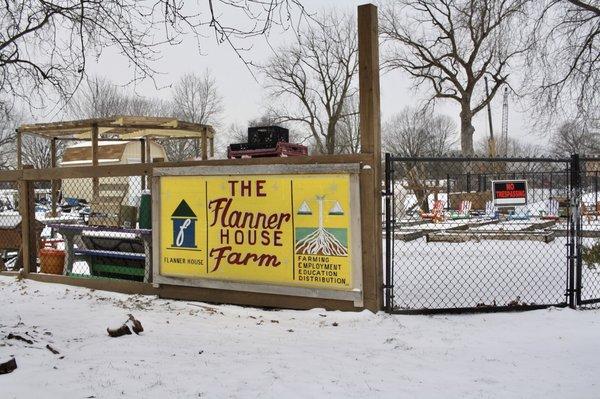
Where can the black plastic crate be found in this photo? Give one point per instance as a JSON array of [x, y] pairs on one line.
[[267, 136]]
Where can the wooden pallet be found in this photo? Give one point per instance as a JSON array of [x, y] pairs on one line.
[[105, 208]]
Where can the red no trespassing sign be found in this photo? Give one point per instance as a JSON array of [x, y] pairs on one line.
[[509, 192]]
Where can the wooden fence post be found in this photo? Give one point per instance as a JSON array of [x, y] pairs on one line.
[[19, 149], [370, 141], [204, 153], [143, 160], [28, 236], [54, 183], [95, 180]]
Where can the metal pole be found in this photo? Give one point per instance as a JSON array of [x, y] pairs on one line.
[[447, 192], [468, 182], [388, 234], [596, 188], [574, 284]]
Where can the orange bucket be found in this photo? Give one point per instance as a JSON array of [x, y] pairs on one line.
[[52, 260]]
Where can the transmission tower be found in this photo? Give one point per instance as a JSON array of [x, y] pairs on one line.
[[504, 135]]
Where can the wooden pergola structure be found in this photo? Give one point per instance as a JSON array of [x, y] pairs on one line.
[[143, 128], [126, 128]]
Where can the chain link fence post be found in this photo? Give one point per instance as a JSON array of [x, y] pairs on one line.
[[574, 285]]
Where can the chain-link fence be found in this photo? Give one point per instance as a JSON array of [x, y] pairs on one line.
[[588, 273], [95, 227], [10, 226], [452, 245]]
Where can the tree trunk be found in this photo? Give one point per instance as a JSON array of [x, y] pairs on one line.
[[330, 140], [466, 130]]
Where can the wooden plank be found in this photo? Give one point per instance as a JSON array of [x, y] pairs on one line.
[[148, 149], [407, 235], [460, 236], [112, 151], [135, 123], [146, 169], [143, 160], [121, 187], [204, 146], [368, 74], [258, 170], [95, 157], [28, 236], [113, 285], [250, 298], [155, 199], [19, 149], [54, 183], [539, 225], [275, 289], [10, 175], [370, 140]]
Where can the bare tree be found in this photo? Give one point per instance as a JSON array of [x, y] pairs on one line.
[[315, 76], [45, 45], [575, 137], [9, 121], [419, 133], [564, 74], [451, 45], [100, 98], [511, 147], [196, 99], [236, 133], [348, 134]]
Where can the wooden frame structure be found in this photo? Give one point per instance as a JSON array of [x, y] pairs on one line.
[[126, 128], [121, 127]]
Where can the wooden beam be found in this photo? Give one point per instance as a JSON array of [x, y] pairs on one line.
[[139, 169], [143, 160], [212, 147], [370, 141], [19, 149], [148, 160], [368, 75], [95, 157], [54, 184], [204, 152], [28, 239], [148, 150]]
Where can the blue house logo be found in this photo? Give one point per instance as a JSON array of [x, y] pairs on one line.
[[184, 226]]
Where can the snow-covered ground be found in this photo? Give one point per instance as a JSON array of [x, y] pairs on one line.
[[445, 275], [197, 350]]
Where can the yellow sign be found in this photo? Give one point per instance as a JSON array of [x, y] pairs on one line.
[[276, 229]]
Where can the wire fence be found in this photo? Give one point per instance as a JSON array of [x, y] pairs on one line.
[[83, 227], [589, 241], [452, 246], [10, 226]]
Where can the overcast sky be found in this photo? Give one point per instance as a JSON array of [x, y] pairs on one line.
[[243, 95]]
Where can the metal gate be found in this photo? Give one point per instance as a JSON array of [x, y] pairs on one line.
[[449, 247], [587, 272]]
